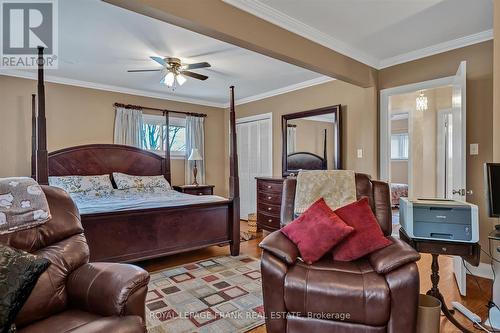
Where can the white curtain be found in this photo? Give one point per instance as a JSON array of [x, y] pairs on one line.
[[128, 127], [195, 138], [291, 139]]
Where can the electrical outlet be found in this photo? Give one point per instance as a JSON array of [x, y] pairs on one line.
[[474, 149], [360, 153]]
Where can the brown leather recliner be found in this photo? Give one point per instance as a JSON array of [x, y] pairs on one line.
[[72, 294], [378, 293]]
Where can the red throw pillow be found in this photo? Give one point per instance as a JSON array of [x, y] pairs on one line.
[[316, 231], [367, 236]]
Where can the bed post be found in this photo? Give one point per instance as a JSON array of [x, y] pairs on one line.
[[325, 161], [42, 172], [33, 136], [234, 187]]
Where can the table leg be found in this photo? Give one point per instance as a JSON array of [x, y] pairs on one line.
[[434, 291]]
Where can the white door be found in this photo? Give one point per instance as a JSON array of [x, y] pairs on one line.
[[458, 158], [254, 136]]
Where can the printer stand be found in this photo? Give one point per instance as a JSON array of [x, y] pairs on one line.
[[468, 251]]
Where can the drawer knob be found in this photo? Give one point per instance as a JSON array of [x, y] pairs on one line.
[[268, 186], [270, 220], [269, 198], [200, 193], [269, 208], [444, 249]]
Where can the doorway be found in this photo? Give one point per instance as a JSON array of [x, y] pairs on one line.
[[254, 140], [423, 143]]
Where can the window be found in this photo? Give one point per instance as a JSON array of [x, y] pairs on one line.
[[399, 146], [155, 135]]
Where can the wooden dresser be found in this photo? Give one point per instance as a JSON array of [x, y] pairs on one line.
[[269, 203]]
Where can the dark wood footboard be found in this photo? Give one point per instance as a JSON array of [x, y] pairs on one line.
[[130, 236]]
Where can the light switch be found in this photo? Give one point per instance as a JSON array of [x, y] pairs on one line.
[[360, 153], [474, 149]]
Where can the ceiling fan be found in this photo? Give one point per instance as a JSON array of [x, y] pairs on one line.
[[175, 70]]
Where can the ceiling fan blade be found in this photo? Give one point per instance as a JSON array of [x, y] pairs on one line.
[[143, 70], [159, 60], [195, 75], [197, 65]]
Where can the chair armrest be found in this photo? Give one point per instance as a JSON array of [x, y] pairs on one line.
[[108, 289], [280, 246], [393, 256]]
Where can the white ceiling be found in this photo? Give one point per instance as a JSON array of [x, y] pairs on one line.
[[381, 33], [99, 42]]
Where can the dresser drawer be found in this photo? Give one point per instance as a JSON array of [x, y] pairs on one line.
[[269, 186], [269, 197], [268, 221], [265, 208]]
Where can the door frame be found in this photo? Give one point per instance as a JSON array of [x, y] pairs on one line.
[[385, 118]]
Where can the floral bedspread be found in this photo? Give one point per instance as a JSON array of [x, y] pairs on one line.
[[92, 202], [397, 191]]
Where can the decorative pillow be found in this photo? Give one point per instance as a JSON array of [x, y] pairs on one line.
[[19, 272], [316, 231], [124, 181], [75, 184], [367, 237]]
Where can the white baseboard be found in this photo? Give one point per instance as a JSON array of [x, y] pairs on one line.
[[483, 270]]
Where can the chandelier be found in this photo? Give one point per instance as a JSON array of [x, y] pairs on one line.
[[421, 102]]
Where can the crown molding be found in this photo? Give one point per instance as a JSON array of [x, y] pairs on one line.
[[106, 87], [286, 22], [265, 12], [144, 93], [437, 48], [284, 90]]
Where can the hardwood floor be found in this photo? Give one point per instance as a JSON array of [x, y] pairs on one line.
[[478, 290]]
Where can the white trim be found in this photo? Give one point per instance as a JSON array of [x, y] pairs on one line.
[[483, 270], [272, 15], [291, 24], [106, 87], [437, 48], [385, 123], [138, 92], [284, 90]]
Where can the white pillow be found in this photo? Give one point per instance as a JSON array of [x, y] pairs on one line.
[[124, 181], [76, 184]]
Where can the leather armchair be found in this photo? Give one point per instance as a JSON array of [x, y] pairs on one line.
[[378, 293], [73, 294]]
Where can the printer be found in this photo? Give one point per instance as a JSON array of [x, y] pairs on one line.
[[439, 219]]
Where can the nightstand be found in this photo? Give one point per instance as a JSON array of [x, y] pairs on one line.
[[195, 190]]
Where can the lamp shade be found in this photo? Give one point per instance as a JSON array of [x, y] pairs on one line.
[[195, 155]]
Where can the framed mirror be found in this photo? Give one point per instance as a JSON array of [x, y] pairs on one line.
[[312, 140]]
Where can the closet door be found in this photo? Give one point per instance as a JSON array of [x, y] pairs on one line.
[[254, 160]]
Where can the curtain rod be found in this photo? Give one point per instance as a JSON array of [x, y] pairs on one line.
[[131, 106]]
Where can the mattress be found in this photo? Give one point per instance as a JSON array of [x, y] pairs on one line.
[[124, 200]]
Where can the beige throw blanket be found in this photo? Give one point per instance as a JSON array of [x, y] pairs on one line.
[[23, 204], [337, 187]]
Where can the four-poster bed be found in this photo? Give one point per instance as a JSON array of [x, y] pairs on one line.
[[142, 233]]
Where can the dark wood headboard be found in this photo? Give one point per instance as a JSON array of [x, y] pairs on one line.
[[306, 161], [99, 159]]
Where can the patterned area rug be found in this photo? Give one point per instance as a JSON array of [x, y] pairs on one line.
[[216, 295]]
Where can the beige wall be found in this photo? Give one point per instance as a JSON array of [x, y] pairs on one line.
[[77, 116], [496, 83], [479, 59], [359, 112]]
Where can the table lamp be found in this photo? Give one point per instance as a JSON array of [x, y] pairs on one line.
[[195, 156]]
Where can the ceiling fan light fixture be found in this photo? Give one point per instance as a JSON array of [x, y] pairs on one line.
[[180, 79], [169, 79]]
